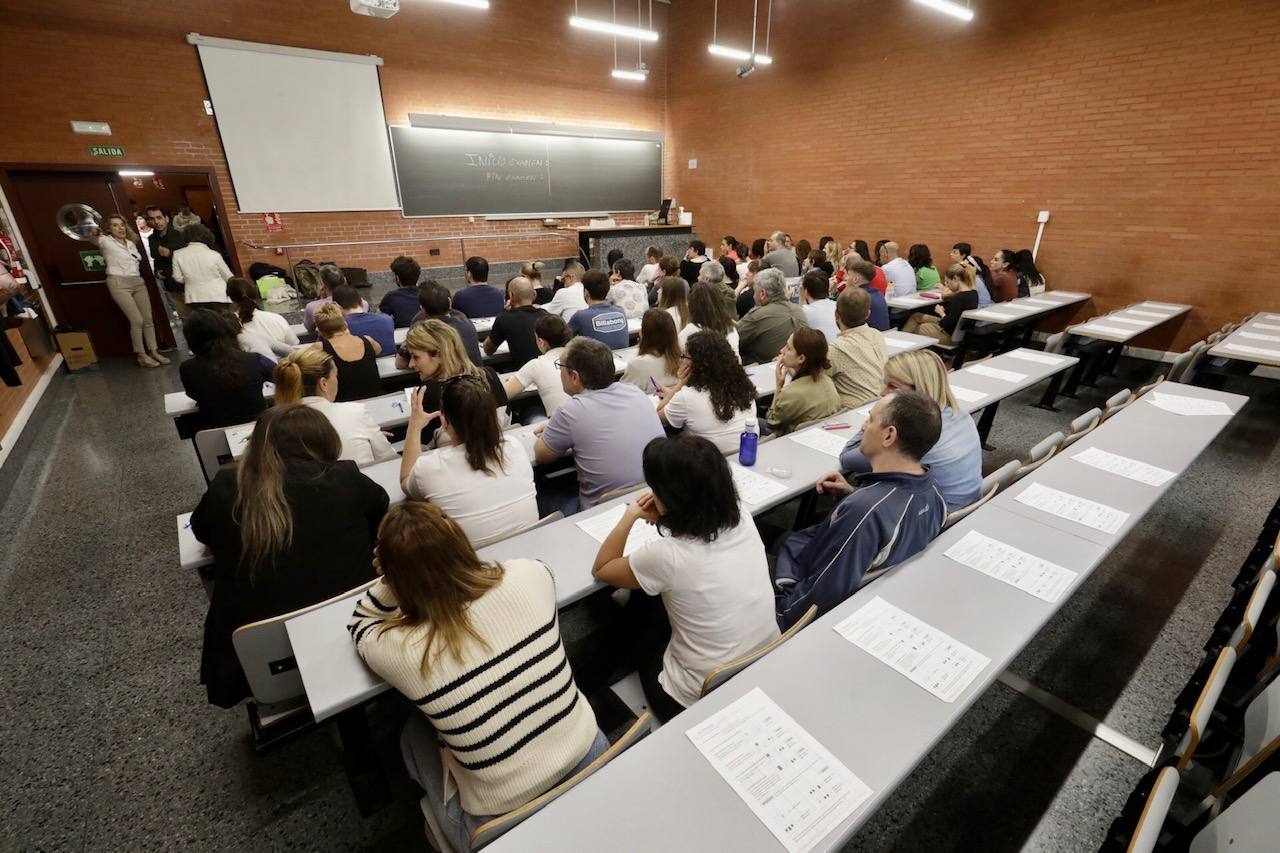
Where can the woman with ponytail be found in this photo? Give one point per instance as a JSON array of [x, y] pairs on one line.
[[309, 376], [262, 332], [289, 526]]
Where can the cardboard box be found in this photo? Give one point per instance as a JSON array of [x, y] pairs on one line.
[[76, 349]]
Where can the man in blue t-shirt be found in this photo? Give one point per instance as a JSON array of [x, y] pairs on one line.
[[859, 273], [605, 322], [478, 298], [401, 304], [380, 327]]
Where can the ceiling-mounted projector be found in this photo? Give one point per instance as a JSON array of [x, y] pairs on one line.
[[375, 8]]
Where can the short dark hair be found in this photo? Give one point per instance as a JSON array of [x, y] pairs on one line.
[[433, 297], [653, 252], [919, 256], [852, 306], [757, 247], [613, 257], [811, 344], [478, 267], [198, 233], [669, 265], [625, 268], [964, 249], [346, 296], [406, 270], [553, 330], [331, 275], [916, 418], [691, 478], [156, 207], [596, 284], [698, 246], [591, 360], [817, 284], [742, 250]]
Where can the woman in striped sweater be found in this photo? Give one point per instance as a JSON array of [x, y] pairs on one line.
[[476, 646]]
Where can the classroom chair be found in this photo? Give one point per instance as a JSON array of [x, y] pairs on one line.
[[1082, 426], [542, 522], [1182, 738], [1183, 362], [1043, 451], [213, 452], [1142, 820], [724, 672], [1117, 401], [279, 708], [1055, 342], [618, 492], [491, 830], [991, 484], [1149, 386]]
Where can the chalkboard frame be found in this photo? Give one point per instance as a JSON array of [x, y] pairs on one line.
[[442, 122]]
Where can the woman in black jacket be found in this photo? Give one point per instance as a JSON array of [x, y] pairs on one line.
[[289, 526], [224, 380]]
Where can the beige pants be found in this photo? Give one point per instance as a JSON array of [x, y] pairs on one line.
[[926, 324], [130, 293]]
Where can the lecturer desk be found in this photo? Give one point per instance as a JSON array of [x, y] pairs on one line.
[[594, 243], [663, 795]]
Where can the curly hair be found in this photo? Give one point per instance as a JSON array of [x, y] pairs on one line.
[[715, 369]]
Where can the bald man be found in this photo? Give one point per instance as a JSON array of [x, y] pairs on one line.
[[514, 326], [902, 278]]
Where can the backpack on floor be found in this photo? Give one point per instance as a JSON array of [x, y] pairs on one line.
[[306, 279]]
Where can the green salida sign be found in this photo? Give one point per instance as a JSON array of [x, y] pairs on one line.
[[93, 260], [106, 151]]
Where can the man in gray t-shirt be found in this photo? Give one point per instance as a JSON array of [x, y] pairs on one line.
[[605, 424], [781, 258]]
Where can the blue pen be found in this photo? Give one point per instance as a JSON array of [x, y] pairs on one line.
[[656, 388]]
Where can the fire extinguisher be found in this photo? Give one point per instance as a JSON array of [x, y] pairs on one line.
[[10, 260]]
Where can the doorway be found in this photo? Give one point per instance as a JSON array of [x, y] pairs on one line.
[[72, 270]]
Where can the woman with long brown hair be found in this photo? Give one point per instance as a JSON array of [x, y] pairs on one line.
[[290, 525], [804, 391], [657, 358], [476, 646], [309, 376], [673, 297]]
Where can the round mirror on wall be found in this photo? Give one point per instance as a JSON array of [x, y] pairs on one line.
[[78, 221]]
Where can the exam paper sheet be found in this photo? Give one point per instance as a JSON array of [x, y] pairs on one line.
[[1124, 466], [1073, 508], [598, 527], [824, 440], [1029, 573], [1180, 405], [995, 373], [754, 488]]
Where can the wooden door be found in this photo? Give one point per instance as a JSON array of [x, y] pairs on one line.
[[74, 282]]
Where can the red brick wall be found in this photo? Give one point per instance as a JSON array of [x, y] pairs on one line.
[[128, 63], [1151, 130]]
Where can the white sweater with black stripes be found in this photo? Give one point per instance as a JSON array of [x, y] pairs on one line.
[[510, 718]]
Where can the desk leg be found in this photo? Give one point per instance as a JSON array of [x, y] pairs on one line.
[[368, 783], [984, 424], [1076, 372], [1051, 393], [1097, 364], [957, 361]]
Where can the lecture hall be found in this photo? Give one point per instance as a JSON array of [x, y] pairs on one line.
[[640, 425]]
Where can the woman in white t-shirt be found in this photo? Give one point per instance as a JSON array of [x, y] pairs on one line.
[[708, 564], [262, 332], [708, 312], [551, 334], [484, 480], [309, 376], [657, 358], [714, 396]]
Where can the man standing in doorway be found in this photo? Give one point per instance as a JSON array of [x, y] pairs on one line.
[[163, 241]]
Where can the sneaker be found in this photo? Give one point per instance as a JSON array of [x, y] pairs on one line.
[[145, 360], [155, 356]]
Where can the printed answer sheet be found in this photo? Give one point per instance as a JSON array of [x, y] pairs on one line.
[[1124, 466], [995, 373], [822, 440], [1047, 303], [1265, 326], [1270, 353], [1064, 505], [1152, 314], [1032, 355], [1027, 572], [798, 789], [1103, 330], [1251, 336], [1181, 405], [1129, 321], [968, 394], [935, 661], [598, 527], [238, 439], [754, 488]]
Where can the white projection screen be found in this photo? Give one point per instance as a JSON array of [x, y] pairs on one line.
[[303, 130]]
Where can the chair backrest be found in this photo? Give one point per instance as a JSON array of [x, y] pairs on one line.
[[1205, 703], [618, 492], [1082, 426], [1262, 591], [1117, 401], [1054, 343], [266, 656], [491, 830], [1183, 361], [1041, 453], [214, 451], [724, 672], [1145, 388], [1197, 352], [546, 519], [1261, 737], [1150, 823], [1213, 338], [991, 484]]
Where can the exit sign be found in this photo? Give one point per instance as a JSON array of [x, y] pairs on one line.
[[106, 151]]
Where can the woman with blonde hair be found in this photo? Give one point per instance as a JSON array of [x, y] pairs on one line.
[[959, 294], [356, 357], [955, 461], [128, 289], [436, 353], [657, 358], [438, 625], [533, 271], [309, 376], [289, 526], [674, 299]]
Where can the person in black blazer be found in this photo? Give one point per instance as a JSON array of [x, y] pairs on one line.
[[303, 533], [224, 380]]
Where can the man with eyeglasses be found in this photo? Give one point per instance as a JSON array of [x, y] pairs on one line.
[[162, 242]]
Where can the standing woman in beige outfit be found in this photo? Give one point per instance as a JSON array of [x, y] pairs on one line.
[[125, 284]]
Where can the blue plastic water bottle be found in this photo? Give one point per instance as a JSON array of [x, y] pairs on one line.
[[747, 443]]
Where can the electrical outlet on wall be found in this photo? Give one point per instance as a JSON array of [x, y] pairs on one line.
[[693, 164], [433, 252]]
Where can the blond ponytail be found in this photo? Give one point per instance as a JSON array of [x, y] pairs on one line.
[[299, 373]]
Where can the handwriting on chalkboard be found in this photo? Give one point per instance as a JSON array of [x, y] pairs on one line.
[[502, 169]]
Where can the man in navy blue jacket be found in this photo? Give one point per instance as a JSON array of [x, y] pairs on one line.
[[889, 515]]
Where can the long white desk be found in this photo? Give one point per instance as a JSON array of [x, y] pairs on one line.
[[1257, 341], [876, 722], [1026, 308], [336, 679], [1120, 327]]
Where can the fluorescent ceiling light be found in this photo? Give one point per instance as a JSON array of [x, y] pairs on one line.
[[762, 59], [948, 7], [612, 29], [473, 4], [629, 75], [134, 173], [735, 53]]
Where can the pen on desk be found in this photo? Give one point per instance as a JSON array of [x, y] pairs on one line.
[[834, 425]]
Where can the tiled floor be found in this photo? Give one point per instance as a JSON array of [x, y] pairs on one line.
[[109, 745]]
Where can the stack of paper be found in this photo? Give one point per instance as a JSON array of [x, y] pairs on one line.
[[935, 661], [1029, 573], [822, 440], [1182, 405], [599, 526], [1124, 466], [754, 488], [798, 789], [1073, 508]]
